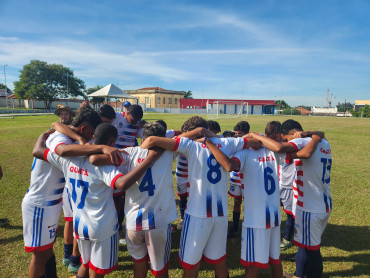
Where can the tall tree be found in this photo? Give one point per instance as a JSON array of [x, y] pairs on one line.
[[281, 104], [92, 90], [188, 94], [47, 82], [345, 106]]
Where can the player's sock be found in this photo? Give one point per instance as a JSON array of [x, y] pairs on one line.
[[314, 263], [236, 218], [182, 206], [300, 262], [289, 227], [51, 268], [75, 260], [68, 248]]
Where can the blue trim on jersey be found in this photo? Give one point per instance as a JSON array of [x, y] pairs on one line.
[[34, 225], [41, 220], [326, 202], [85, 232], [62, 180], [77, 222], [139, 220], [331, 204], [184, 234], [268, 218], [249, 255], [58, 191], [182, 164], [209, 203], [129, 133], [151, 220], [33, 164], [220, 210], [53, 202], [276, 214]]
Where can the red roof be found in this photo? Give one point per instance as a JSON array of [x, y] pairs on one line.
[[184, 102]]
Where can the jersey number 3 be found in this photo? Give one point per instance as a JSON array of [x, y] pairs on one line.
[[147, 183]]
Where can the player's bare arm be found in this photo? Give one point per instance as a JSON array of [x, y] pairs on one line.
[[124, 182], [302, 134], [62, 128], [154, 141], [274, 145], [229, 164], [309, 149], [197, 133]]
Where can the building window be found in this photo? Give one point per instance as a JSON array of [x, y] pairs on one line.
[[159, 100], [146, 100], [164, 100], [170, 101], [175, 100]]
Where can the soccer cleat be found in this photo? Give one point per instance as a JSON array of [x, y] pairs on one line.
[[179, 226], [66, 261], [122, 241], [74, 269], [285, 244]]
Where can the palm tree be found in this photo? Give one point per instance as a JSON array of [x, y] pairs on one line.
[[188, 94]]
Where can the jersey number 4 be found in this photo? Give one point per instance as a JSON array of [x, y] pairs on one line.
[[85, 188], [147, 183]]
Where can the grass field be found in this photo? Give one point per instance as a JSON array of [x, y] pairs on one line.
[[345, 243]]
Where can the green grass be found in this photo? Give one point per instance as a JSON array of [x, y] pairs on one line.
[[345, 243]]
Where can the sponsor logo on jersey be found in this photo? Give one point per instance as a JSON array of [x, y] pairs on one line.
[[328, 151], [267, 158], [78, 171]]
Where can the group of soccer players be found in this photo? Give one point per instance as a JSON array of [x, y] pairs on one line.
[[83, 178]]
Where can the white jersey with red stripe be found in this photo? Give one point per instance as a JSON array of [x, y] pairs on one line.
[[261, 187], [47, 182], [91, 193], [150, 202], [181, 170], [208, 180], [311, 188], [286, 175], [127, 133]]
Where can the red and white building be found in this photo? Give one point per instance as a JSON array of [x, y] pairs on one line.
[[231, 106]]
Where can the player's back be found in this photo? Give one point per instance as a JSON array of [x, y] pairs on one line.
[[261, 187], [208, 180], [150, 203], [312, 184], [94, 213]]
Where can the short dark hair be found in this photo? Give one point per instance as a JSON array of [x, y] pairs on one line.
[[272, 128], [214, 126], [242, 126], [193, 123], [289, 125], [153, 129], [87, 115], [104, 133], [136, 111], [228, 133], [163, 123], [107, 111]]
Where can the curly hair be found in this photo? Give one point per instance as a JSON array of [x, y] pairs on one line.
[[87, 115], [214, 126], [193, 123], [242, 126]]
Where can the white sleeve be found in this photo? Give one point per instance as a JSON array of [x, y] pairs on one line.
[[55, 159], [185, 146], [57, 140], [236, 144], [109, 174], [300, 143], [240, 157]]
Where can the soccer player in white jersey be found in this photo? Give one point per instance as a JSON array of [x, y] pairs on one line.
[[261, 224], [150, 209], [312, 198], [91, 190], [42, 203], [205, 225]]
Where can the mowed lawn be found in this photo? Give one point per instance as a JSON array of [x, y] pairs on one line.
[[345, 243]]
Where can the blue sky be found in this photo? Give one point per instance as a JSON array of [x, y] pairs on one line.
[[291, 50]]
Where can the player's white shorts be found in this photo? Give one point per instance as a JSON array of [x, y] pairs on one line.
[[286, 198], [260, 247], [202, 237], [67, 206], [100, 256], [40, 226], [308, 229], [156, 243], [235, 190], [182, 189]]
